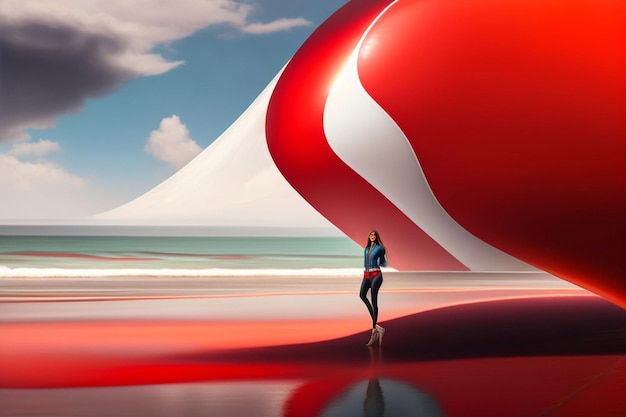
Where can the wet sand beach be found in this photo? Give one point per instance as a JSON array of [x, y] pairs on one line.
[[457, 344]]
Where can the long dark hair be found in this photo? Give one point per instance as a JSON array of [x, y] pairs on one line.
[[378, 239]]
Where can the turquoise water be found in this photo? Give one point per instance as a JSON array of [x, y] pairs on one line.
[[177, 252]]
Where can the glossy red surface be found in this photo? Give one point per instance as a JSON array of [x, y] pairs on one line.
[[515, 111], [297, 143]]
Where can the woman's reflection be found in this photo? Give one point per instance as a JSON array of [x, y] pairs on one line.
[[374, 404], [383, 397]]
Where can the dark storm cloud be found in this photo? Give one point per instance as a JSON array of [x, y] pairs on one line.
[[49, 70]]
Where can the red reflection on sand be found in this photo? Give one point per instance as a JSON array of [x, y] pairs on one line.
[[562, 355], [527, 386], [80, 353]]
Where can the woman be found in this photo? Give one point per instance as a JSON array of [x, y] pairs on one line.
[[373, 279]]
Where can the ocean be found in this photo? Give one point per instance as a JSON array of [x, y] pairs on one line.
[[114, 251]]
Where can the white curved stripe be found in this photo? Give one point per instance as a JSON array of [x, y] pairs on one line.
[[365, 137], [233, 183]]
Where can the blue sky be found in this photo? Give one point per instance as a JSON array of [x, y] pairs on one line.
[[102, 101]]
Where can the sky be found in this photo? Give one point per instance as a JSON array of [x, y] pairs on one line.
[[102, 101]]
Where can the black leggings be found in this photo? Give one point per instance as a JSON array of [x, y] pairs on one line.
[[374, 284]]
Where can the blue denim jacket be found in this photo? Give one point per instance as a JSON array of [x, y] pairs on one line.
[[376, 258]]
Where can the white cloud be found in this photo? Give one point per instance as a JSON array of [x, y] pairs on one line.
[[40, 148], [171, 143], [275, 26], [35, 190], [47, 45], [28, 176], [44, 190], [139, 25]]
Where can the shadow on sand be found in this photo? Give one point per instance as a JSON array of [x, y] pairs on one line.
[[542, 326]]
